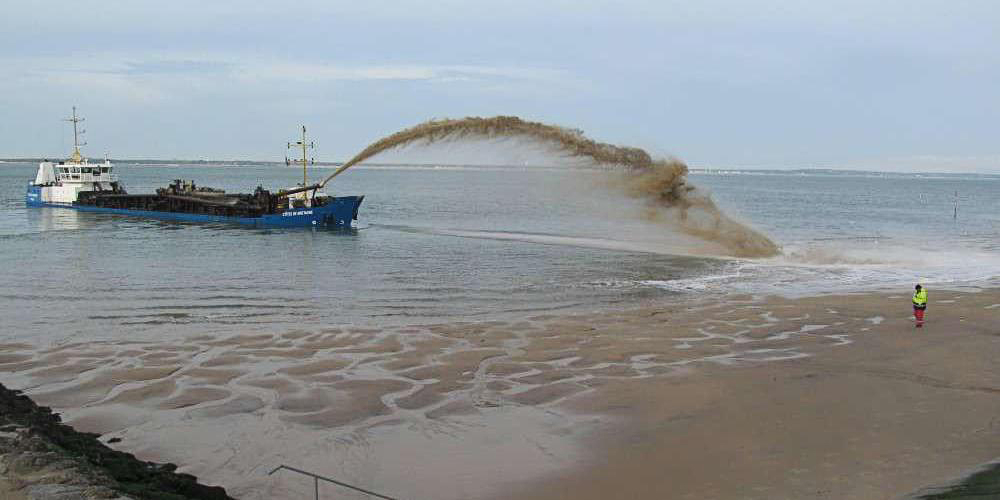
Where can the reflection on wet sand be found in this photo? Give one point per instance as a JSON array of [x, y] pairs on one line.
[[230, 407]]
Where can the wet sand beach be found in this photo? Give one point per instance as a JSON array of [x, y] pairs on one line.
[[897, 410], [732, 397]]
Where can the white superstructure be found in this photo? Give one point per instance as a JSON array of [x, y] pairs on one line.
[[61, 182]]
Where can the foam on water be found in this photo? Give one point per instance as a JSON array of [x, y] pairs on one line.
[[819, 268]]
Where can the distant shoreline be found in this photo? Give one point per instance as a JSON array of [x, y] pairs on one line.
[[693, 170]]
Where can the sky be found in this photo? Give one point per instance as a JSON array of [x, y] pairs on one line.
[[888, 85]]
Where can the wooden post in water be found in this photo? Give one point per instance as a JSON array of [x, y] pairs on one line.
[[955, 214]]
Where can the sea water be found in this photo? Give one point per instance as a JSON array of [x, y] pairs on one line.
[[443, 244]]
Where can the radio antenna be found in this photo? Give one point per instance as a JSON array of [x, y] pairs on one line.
[[77, 132], [305, 161]]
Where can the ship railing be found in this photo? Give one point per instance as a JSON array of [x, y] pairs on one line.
[[87, 177], [317, 478]]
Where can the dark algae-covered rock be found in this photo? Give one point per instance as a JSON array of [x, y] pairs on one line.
[[41, 457], [982, 484]]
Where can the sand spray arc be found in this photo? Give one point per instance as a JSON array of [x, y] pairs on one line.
[[662, 182]]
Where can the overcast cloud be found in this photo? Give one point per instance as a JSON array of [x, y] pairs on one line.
[[894, 84]]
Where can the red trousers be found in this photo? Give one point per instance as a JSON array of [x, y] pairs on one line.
[[918, 313]]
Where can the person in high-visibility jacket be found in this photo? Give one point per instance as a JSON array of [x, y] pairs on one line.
[[919, 304]]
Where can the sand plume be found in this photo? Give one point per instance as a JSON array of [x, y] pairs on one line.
[[684, 206], [663, 182]]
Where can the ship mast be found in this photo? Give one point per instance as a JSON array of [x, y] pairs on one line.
[[77, 157], [305, 161]]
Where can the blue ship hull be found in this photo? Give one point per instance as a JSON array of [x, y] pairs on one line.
[[339, 212]]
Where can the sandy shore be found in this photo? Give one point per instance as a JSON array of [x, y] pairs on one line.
[[896, 410], [838, 397]]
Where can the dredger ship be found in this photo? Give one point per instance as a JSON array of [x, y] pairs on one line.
[[94, 187]]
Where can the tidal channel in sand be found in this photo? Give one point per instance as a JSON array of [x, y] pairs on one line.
[[741, 397]]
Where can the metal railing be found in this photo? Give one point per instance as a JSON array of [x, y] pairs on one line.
[[317, 477], [104, 177]]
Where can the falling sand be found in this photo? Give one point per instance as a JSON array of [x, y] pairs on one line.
[[661, 182]]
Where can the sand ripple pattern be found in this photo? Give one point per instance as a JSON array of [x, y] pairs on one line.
[[359, 377]]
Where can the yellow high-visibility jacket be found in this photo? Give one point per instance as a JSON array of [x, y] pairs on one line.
[[920, 298]]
